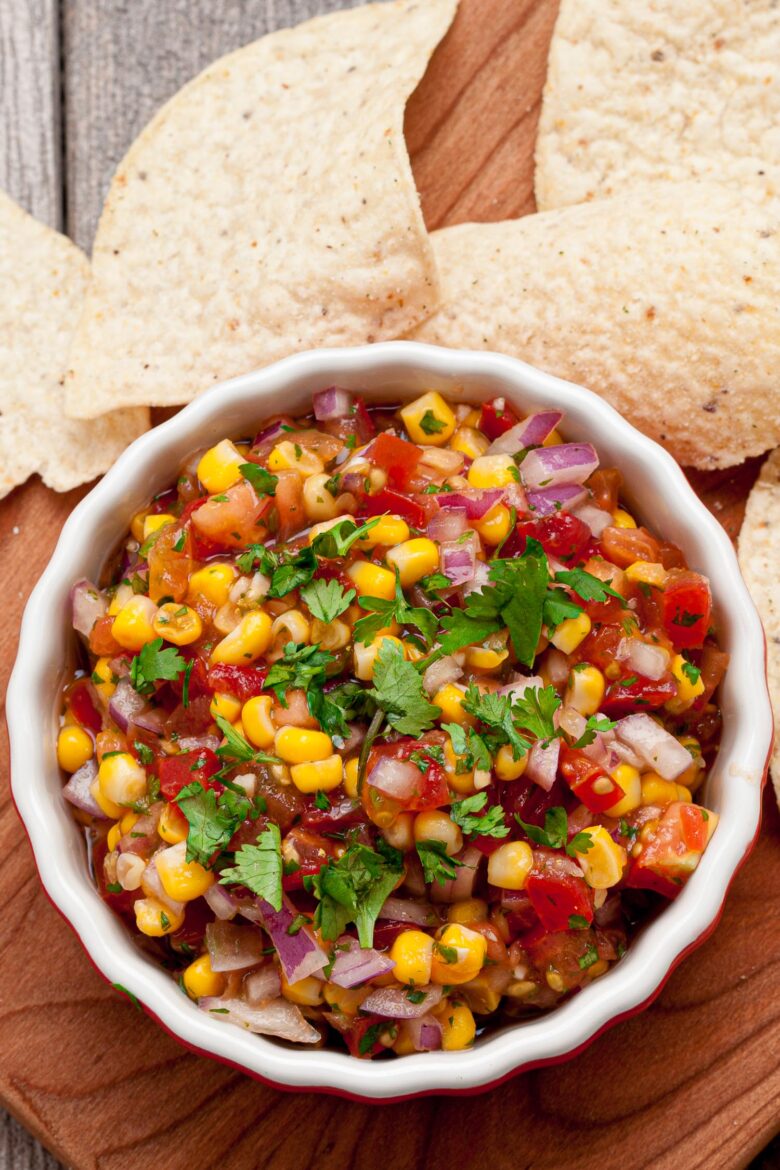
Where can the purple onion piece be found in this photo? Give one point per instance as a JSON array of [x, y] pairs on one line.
[[440, 673], [298, 953], [268, 437], [459, 559], [409, 910], [476, 501], [87, 605], [394, 1002], [556, 499], [531, 432], [331, 404], [425, 1033], [462, 885], [553, 466], [448, 524], [657, 747], [221, 903], [77, 790], [355, 965], [542, 764], [396, 778], [262, 985], [232, 947], [595, 518], [190, 743], [277, 1018], [127, 706]]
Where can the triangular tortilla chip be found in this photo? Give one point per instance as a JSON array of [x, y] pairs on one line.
[[269, 207]]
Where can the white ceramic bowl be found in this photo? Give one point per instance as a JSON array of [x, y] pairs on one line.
[[655, 489]]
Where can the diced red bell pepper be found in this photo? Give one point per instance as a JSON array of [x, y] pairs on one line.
[[397, 457], [637, 693], [594, 787], [176, 772], [83, 707], [495, 421], [687, 608], [388, 500], [243, 682], [556, 896]]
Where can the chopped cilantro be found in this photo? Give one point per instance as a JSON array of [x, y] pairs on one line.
[[437, 865], [153, 664], [144, 753], [327, 599], [300, 666], [691, 672], [398, 691], [489, 824], [382, 612], [555, 832], [590, 957], [430, 424], [586, 586], [212, 820], [261, 480], [577, 922], [594, 723], [259, 867], [322, 801], [354, 889], [338, 540]]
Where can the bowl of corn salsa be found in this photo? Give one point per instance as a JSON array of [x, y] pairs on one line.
[[395, 742]]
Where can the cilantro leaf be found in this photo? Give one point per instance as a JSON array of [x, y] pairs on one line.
[[237, 750], [469, 747], [384, 611], [292, 571], [212, 822], [691, 672], [437, 864], [259, 867], [334, 708], [153, 664], [354, 889], [534, 711], [558, 607], [430, 424], [525, 580], [398, 690], [261, 480], [327, 599], [461, 629], [300, 666], [338, 540], [586, 586], [590, 957], [556, 832], [578, 922], [489, 824], [495, 711], [595, 723]]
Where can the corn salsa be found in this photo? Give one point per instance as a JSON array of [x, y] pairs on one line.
[[390, 723]]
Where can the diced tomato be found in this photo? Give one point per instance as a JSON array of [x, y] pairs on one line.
[[562, 951], [600, 646], [399, 505], [201, 548], [176, 772], [556, 893], [188, 939], [101, 641], [530, 802], [675, 848], [605, 484], [496, 420], [362, 1033], [194, 719], [332, 571], [398, 458], [561, 535], [387, 931], [198, 676], [341, 814], [164, 501], [366, 428], [289, 504], [687, 608], [712, 662], [432, 790], [82, 705], [623, 546], [243, 682], [233, 517], [694, 826], [637, 693], [594, 787], [639, 877], [294, 881]]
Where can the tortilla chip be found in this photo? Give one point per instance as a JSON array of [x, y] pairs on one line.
[[672, 90], [269, 207], [664, 302], [43, 277], [759, 558]]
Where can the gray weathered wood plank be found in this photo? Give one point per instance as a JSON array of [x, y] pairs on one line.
[[19, 1149], [122, 61], [30, 139]]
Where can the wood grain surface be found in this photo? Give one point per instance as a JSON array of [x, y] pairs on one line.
[[692, 1082]]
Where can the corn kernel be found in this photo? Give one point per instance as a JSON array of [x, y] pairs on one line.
[[102, 671], [200, 981], [436, 825], [250, 638], [177, 624], [318, 776], [687, 691], [218, 468], [256, 721], [153, 522], [137, 526], [630, 782], [307, 991], [182, 880], [346, 999], [450, 699], [289, 456], [684, 794], [470, 442], [121, 778], [300, 745], [656, 790], [567, 636], [74, 748], [554, 439], [461, 782], [459, 955], [335, 635], [604, 861], [400, 833], [468, 911], [494, 525], [365, 656], [133, 626], [510, 865], [694, 773], [493, 471], [127, 821], [389, 531], [412, 953], [113, 837], [106, 806], [155, 919], [647, 573], [318, 501], [585, 690], [458, 1028], [213, 582], [484, 660], [372, 580], [351, 770], [225, 706], [623, 519], [172, 825], [429, 420], [598, 968], [507, 767], [414, 559]]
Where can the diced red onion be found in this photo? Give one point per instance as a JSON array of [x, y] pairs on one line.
[[440, 673], [425, 1033], [277, 1018], [142, 838], [556, 499], [232, 947], [153, 885], [331, 404], [480, 579], [600, 750], [357, 733], [126, 705], [531, 432], [542, 764], [408, 910], [476, 501], [515, 497], [570, 721], [448, 524], [553, 466], [120, 666], [268, 437], [459, 559], [643, 657], [299, 954], [654, 744], [87, 605], [77, 790], [396, 778], [220, 902], [556, 666], [394, 1002], [462, 885], [261, 985], [595, 518], [627, 755], [196, 743], [355, 965], [519, 685]]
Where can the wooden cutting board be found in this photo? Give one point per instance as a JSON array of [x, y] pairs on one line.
[[693, 1081]]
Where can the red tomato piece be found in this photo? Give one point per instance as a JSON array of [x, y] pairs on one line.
[[188, 939], [243, 682], [637, 693], [530, 802], [398, 458], [496, 420], [675, 848], [82, 705], [589, 783], [201, 548], [694, 826], [366, 428], [176, 772], [556, 893], [561, 535], [341, 814], [388, 500], [101, 641], [362, 1034], [432, 790], [687, 608]]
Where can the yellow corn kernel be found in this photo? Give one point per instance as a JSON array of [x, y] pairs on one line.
[[177, 624], [656, 790], [351, 769], [403, 1045], [127, 821], [300, 745], [346, 999], [289, 456], [494, 525], [389, 531], [567, 636], [437, 825], [458, 956], [133, 626], [122, 595], [155, 919], [172, 825], [484, 660], [507, 767], [687, 691], [468, 911], [250, 638], [461, 782], [400, 832], [154, 521], [225, 707], [585, 690], [307, 992], [412, 953], [493, 471], [470, 442], [458, 1027], [74, 748], [510, 865], [414, 559], [631, 783], [256, 721], [596, 969], [121, 778], [647, 573], [684, 794], [604, 861], [694, 773], [429, 420], [318, 776], [623, 519], [113, 837], [218, 468], [365, 656], [335, 635], [450, 699], [291, 626], [102, 671], [318, 502], [106, 806], [555, 982], [182, 880], [372, 580], [554, 439], [213, 582], [137, 526], [199, 980]]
